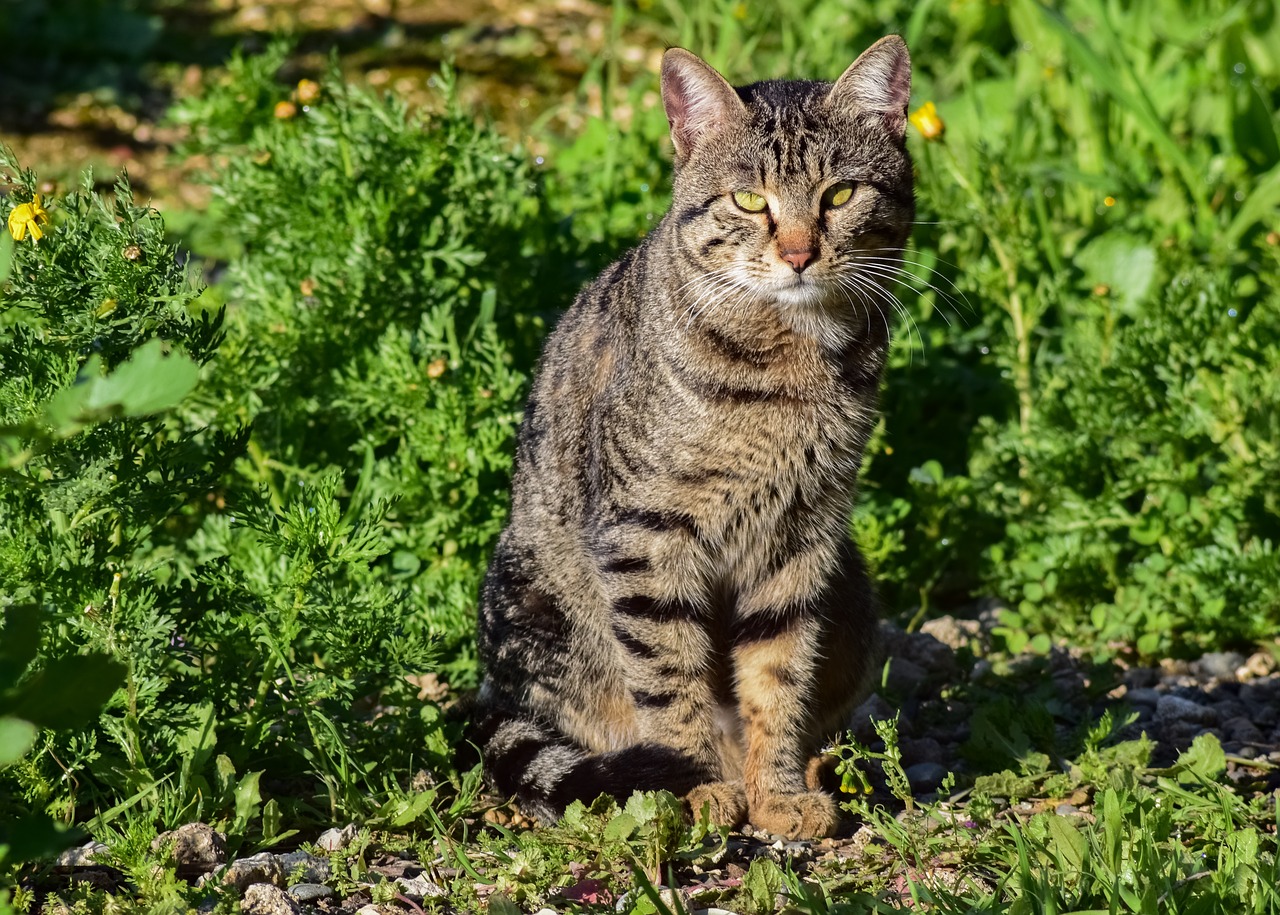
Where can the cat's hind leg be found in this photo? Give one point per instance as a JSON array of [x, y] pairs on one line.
[[526, 758]]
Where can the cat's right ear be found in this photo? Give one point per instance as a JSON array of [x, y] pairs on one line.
[[698, 100]]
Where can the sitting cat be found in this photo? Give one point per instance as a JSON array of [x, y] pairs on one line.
[[676, 602]]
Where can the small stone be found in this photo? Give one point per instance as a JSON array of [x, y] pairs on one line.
[[930, 653], [310, 892], [1259, 664], [261, 868], [905, 677], [875, 707], [921, 750], [197, 848], [1143, 696], [336, 839], [1219, 664], [265, 899], [1175, 708], [981, 668], [369, 909], [926, 776], [304, 868], [1066, 810], [420, 887], [953, 633], [83, 856], [1242, 730], [1141, 677]]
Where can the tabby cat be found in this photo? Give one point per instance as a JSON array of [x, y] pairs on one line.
[[676, 603]]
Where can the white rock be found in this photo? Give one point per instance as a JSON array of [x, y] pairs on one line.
[[82, 856], [265, 899], [336, 839], [420, 887]]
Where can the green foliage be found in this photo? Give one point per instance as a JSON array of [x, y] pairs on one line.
[[246, 631], [66, 693], [391, 275], [1182, 839]]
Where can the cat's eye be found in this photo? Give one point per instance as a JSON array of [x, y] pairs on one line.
[[752, 203], [838, 194]]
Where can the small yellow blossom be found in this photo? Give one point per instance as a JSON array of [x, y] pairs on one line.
[[27, 218], [926, 120], [285, 110], [308, 91], [436, 368], [1109, 201]]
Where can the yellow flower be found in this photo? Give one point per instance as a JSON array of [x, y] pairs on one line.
[[926, 120], [285, 110], [27, 217], [308, 91]]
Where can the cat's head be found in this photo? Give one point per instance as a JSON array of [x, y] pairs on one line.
[[793, 191]]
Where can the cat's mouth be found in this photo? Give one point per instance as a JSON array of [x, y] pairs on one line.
[[799, 289]]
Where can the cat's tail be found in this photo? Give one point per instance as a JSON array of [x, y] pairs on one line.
[[529, 760]]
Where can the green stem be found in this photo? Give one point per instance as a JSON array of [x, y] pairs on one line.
[[1021, 327]]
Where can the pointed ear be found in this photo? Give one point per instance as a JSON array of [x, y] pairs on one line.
[[880, 81], [697, 99]]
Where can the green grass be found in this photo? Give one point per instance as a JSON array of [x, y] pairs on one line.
[[252, 533]]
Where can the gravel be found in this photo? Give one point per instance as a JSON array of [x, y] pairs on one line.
[[938, 678]]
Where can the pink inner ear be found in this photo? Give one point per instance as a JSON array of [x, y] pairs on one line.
[[879, 80], [696, 98]]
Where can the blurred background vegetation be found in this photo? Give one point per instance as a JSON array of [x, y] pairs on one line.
[[380, 207]]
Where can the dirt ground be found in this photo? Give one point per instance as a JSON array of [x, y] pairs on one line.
[[86, 83]]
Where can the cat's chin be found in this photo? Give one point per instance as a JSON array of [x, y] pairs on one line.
[[799, 294]]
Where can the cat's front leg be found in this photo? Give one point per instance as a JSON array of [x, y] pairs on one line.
[[778, 643], [660, 619]]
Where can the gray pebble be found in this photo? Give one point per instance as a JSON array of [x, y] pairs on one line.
[[1242, 730], [81, 857], [305, 868], [926, 776], [420, 887], [905, 677], [931, 654], [922, 750], [260, 868], [1220, 664], [1142, 696], [336, 839], [1178, 709], [875, 707], [310, 892]]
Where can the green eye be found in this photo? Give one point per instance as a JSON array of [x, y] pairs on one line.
[[752, 203], [839, 194]]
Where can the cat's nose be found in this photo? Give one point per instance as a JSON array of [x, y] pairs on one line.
[[798, 258]]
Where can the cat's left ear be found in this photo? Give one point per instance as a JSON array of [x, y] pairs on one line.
[[880, 81]]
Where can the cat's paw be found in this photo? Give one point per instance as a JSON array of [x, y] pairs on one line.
[[726, 803], [810, 815]]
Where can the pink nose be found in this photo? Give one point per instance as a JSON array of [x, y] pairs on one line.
[[798, 259]]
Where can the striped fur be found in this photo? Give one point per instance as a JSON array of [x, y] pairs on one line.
[[675, 602]]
